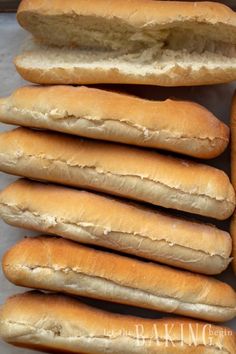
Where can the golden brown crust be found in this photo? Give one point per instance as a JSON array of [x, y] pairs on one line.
[[142, 11], [94, 219], [50, 320], [179, 126], [51, 264], [116, 169]]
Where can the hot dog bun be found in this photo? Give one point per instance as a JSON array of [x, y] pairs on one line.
[[165, 43], [55, 323], [117, 169], [60, 265], [95, 219], [180, 126]]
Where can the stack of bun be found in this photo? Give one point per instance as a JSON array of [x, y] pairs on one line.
[[104, 184]]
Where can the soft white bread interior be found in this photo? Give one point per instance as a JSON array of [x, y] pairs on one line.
[[59, 323], [118, 169], [180, 126], [94, 219], [167, 43], [60, 265], [233, 174]]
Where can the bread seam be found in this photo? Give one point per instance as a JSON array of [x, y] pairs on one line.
[[145, 292], [127, 335], [101, 172], [105, 231], [64, 116]]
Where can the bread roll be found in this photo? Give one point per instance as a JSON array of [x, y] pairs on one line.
[[120, 170], [180, 126], [94, 219], [64, 266], [233, 175], [53, 322], [165, 43]]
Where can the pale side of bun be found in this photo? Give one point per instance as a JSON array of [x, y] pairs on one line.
[[164, 43], [117, 169], [233, 175], [93, 219], [63, 266], [54, 322], [180, 126]]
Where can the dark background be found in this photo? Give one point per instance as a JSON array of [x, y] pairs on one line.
[[8, 5]]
